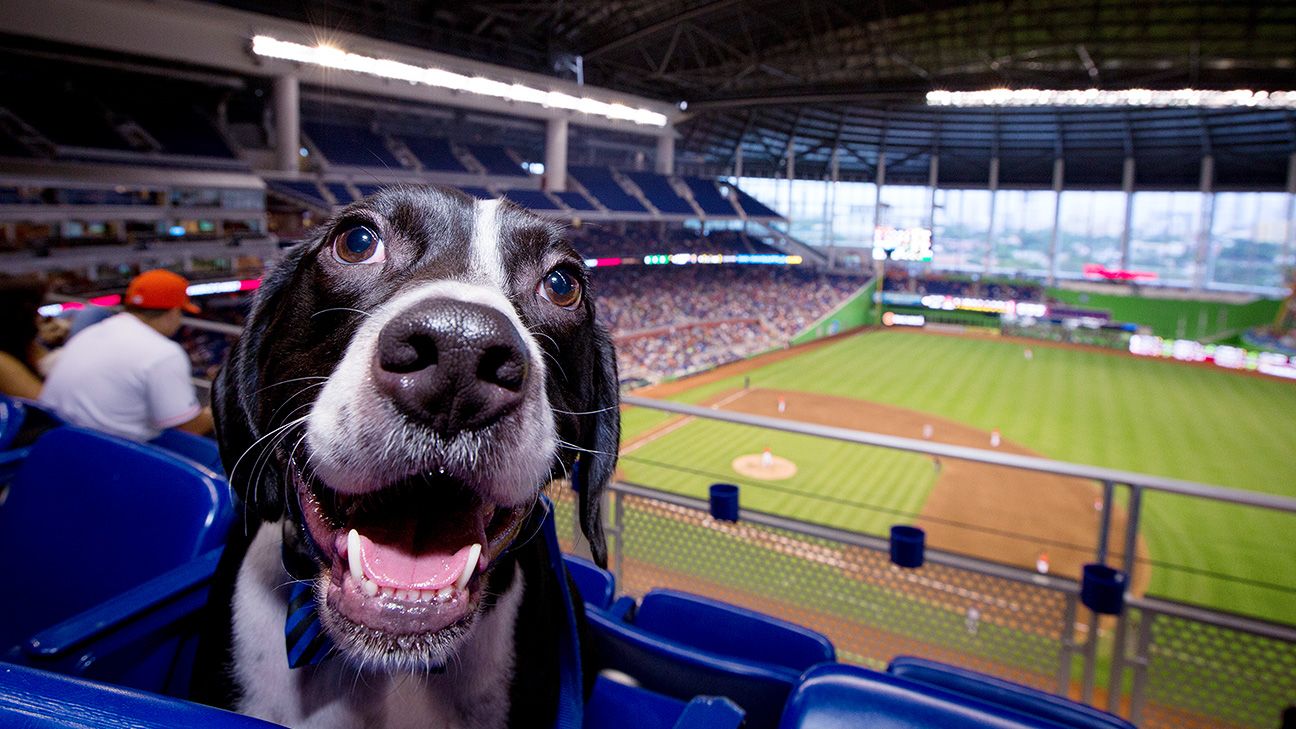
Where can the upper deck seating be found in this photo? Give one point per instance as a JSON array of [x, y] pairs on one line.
[[480, 193], [433, 153], [603, 186], [533, 199], [575, 200], [351, 146], [299, 189], [496, 160], [340, 192], [708, 197], [753, 207], [658, 190]]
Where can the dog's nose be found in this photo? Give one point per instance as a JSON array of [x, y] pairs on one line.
[[452, 365]]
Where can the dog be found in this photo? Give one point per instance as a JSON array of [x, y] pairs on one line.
[[407, 383]]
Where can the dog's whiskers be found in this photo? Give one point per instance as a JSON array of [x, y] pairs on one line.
[[574, 447], [587, 412], [294, 379], [341, 308]]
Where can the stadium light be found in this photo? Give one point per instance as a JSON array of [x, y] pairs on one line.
[[331, 57], [1183, 98]]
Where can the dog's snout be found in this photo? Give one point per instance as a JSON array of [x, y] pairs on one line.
[[452, 365]]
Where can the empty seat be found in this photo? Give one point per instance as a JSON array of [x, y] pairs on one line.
[[753, 207], [614, 705], [732, 631], [496, 160], [835, 696], [595, 584], [89, 515], [1003, 693], [351, 146], [532, 199], [300, 190], [575, 200], [196, 448], [34, 698], [434, 153], [480, 193], [658, 190], [603, 186], [708, 197], [681, 671], [339, 192], [366, 189]]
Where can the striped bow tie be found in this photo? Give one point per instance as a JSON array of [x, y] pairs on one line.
[[305, 638]]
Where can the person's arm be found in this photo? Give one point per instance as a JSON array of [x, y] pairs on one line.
[[201, 424], [16, 379]]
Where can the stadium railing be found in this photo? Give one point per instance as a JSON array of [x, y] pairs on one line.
[[1166, 664]]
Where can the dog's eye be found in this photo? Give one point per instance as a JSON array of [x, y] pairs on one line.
[[560, 288], [358, 245]]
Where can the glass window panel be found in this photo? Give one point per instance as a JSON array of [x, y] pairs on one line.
[[1247, 233], [962, 220], [1164, 230], [905, 206], [1089, 230], [1023, 225]]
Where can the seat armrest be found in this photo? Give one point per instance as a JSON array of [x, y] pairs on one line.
[[711, 712], [622, 609]]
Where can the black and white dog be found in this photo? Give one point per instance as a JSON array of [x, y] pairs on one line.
[[406, 385]]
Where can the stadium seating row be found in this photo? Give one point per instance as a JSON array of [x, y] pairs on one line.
[[669, 659]]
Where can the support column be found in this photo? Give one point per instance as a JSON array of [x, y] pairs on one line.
[[287, 123], [1127, 186], [666, 153], [994, 199], [830, 207], [555, 177], [933, 180], [738, 160], [1059, 169], [1289, 241], [877, 198], [791, 175], [1202, 272]]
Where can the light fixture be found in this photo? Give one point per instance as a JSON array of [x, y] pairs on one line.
[[1186, 98], [331, 57]]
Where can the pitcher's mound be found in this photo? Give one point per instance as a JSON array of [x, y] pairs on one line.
[[751, 465]]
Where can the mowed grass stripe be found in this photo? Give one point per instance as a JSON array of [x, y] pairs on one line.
[[1162, 418]]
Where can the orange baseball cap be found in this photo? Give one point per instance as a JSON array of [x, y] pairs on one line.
[[160, 289]]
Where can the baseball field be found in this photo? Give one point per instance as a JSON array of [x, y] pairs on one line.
[[1066, 403]]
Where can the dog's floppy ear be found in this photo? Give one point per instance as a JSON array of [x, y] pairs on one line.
[[599, 440], [236, 400]]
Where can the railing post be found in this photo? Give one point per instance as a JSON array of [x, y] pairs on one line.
[[1067, 640], [618, 536], [1138, 687], [1117, 674], [1104, 525], [1100, 556]]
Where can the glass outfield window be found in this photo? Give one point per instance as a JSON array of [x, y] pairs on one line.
[[1164, 230], [1089, 230], [962, 221], [1247, 234], [1022, 227]]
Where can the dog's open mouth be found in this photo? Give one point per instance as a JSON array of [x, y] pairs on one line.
[[410, 559]]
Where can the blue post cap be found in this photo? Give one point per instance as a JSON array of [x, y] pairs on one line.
[[724, 501], [1102, 589], [907, 545]]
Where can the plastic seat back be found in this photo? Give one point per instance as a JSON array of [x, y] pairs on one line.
[[23, 421], [1005, 693], [729, 630], [611, 702], [196, 448], [89, 515], [595, 584], [836, 696], [682, 672]]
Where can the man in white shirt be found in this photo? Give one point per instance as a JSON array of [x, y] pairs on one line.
[[125, 375]]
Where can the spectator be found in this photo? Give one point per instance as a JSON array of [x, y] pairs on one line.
[[19, 352], [124, 375]]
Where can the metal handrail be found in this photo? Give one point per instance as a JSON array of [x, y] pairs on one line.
[[1028, 463]]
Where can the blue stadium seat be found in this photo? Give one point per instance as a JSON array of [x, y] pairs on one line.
[[39, 699], [1003, 693], [836, 696], [575, 200], [595, 584], [145, 638], [708, 197], [658, 190], [532, 199], [731, 631], [301, 190], [367, 189], [753, 207], [682, 671], [480, 193], [614, 705], [196, 448], [352, 146], [434, 153], [603, 186], [496, 160], [89, 515], [340, 192]]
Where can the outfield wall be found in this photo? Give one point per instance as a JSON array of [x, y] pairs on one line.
[[856, 312], [1176, 318]]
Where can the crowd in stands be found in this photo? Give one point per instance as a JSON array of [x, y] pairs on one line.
[[672, 320], [900, 280], [640, 239]]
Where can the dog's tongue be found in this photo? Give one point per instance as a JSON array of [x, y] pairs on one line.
[[396, 565]]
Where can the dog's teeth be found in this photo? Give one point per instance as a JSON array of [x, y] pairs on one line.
[[353, 555], [369, 586], [407, 595], [470, 566], [444, 593], [388, 591]]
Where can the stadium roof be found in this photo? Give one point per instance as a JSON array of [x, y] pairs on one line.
[[852, 75]]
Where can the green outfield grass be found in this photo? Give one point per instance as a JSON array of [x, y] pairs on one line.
[[1112, 410]]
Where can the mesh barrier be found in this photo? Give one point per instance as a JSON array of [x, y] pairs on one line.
[[1203, 675]]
